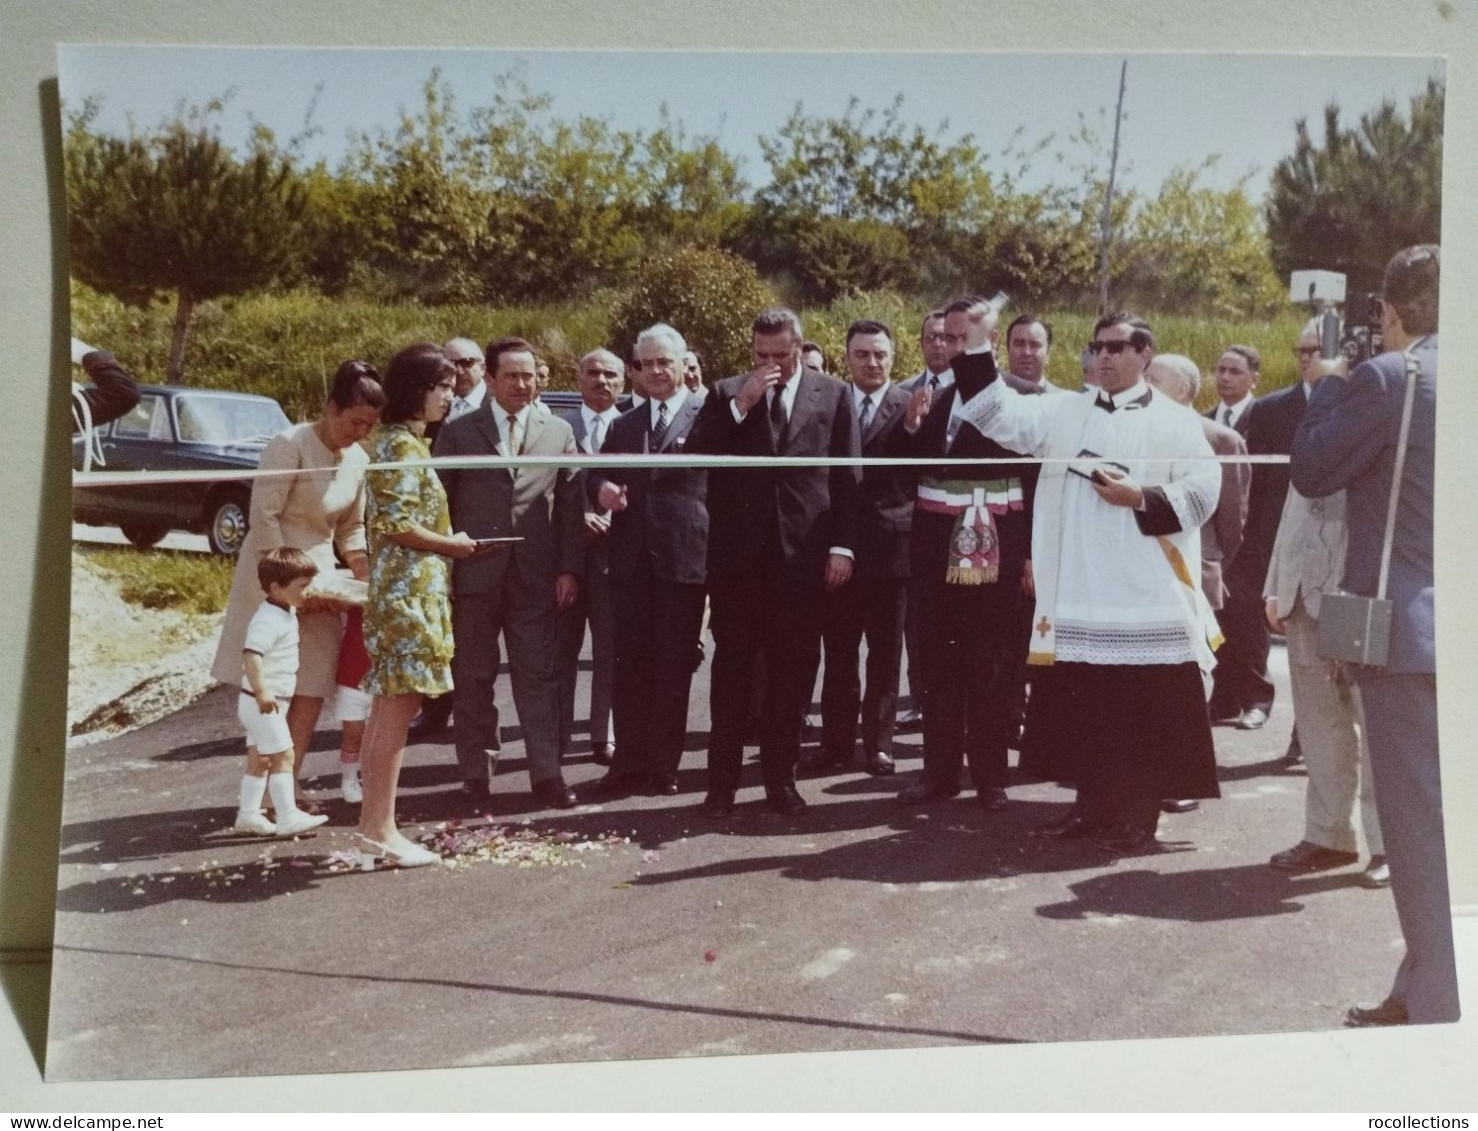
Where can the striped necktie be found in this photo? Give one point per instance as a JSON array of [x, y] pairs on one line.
[[659, 430]]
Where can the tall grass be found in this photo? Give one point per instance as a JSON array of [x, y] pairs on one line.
[[287, 345], [167, 579]]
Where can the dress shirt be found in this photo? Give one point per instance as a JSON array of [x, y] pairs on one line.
[[590, 417], [1230, 419], [674, 403], [461, 406], [500, 416], [876, 397]]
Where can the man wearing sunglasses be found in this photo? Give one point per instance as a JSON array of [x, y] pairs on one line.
[[1127, 480]]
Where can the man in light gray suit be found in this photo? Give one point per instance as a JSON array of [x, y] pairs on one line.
[[1347, 440], [1308, 559], [517, 589], [602, 378]]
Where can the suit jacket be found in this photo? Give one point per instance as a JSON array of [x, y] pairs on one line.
[[1221, 534], [814, 508], [597, 555], [1347, 439], [886, 495], [1270, 423], [544, 506], [666, 520], [1309, 554]]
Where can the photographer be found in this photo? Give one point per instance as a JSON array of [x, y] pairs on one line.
[[112, 394], [1348, 440]]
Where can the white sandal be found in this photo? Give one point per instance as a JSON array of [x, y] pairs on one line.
[[367, 853]]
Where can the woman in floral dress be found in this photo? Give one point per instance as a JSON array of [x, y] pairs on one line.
[[407, 619]]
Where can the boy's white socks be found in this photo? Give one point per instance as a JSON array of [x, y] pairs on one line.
[[349, 787], [253, 793], [280, 786]]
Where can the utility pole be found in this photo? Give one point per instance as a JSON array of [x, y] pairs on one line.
[[1105, 232]]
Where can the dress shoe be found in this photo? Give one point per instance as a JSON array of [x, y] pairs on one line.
[[1392, 1011], [1377, 873], [786, 800], [880, 764], [255, 822], [662, 785], [476, 791], [1075, 826], [604, 753], [1254, 718], [911, 718], [927, 791], [554, 794], [370, 853], [1306, 856], [618, 784], [824, 761], [718, 803], [1184, 805], [993, 800]]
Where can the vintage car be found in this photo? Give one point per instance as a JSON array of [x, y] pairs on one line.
[[178, 429]]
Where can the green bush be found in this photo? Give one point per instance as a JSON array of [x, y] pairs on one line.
[[168, 579], [710, 296]]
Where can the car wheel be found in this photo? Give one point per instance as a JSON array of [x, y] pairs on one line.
[[143, 534], [225, 521]]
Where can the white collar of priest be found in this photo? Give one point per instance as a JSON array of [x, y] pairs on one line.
[[1136, 396]]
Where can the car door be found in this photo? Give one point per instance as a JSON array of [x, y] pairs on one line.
[[142, 440]]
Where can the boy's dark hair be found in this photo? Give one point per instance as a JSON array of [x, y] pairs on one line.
[[282, 565], [411, 373], [867, 326], [1140, 334], [356, 383]]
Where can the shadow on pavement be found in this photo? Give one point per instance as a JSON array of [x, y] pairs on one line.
[[1208, 895], [577, 995]]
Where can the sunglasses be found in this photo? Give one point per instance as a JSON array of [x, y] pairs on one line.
[[466, 362], [1113, 349]]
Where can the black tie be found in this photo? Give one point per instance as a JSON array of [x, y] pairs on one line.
[[777, 416], [660, 428], [866, 418]]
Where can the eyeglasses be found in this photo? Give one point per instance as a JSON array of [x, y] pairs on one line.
[[466, 362], [1113, 349], [1306, 351]]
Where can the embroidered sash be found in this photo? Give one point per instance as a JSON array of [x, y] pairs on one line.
[[974, 553]]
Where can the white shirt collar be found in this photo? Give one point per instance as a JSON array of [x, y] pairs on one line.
[[858, 396], [673, 403], [1133, 393], [590, 416], [1237, 409]]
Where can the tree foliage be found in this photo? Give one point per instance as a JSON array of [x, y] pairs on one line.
[[175, 210], [1349, 203]]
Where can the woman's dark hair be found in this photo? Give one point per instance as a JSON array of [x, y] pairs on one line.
[[356, 383], [410, 375]]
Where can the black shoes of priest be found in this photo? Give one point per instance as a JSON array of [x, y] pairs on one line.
[[554, 794]]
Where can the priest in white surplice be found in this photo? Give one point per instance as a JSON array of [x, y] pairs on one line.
[[1116, 549]]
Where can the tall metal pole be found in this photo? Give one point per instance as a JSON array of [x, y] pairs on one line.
[[1106, 225]]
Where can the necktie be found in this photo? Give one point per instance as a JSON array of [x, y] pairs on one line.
[[933, 380], [777, 415], [866, 418], [660, 428], [515, 436], [598, 434], [1226, 415], [459, 406]]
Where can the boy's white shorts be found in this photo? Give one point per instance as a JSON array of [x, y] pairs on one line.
[[268, 733], [352, 705]]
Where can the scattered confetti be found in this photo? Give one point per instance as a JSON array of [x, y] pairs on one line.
[[519, 845], [710, 956]]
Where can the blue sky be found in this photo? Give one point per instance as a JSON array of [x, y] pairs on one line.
[[1180, 109]]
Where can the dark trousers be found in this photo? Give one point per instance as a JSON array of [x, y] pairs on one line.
[[593, 606], [1240, 679], [968, 646], [1401, 727], [656, 628], [768, 612], [873, 609]]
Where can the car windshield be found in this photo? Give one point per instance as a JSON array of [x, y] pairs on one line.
[[227, 420]]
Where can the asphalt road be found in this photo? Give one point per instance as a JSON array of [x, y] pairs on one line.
[[183, 949]]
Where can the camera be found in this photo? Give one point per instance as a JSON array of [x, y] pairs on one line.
[[1356, 337]]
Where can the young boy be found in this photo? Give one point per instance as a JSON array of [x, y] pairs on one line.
[[353, 704], [269, 663]]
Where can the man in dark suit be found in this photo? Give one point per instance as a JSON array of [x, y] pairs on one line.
[[778, 539], [971, 539], [872, 603], [658, 559], [601, 377], [517, 589], [1241, 690], [1348, 440]]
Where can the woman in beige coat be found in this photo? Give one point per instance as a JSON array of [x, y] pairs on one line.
[[316, 511]]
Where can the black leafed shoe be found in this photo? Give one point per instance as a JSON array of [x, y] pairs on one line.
[[1377, 873], [554, 794], [1183, 805], [1306, 856], [925, 791], [1392, 1011], [662, 785], [718, 803], [618, 784], [880, 764], [786, 800], [604, 753], [993, 800]]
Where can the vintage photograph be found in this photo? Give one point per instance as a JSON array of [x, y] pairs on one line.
[[626, 555]]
